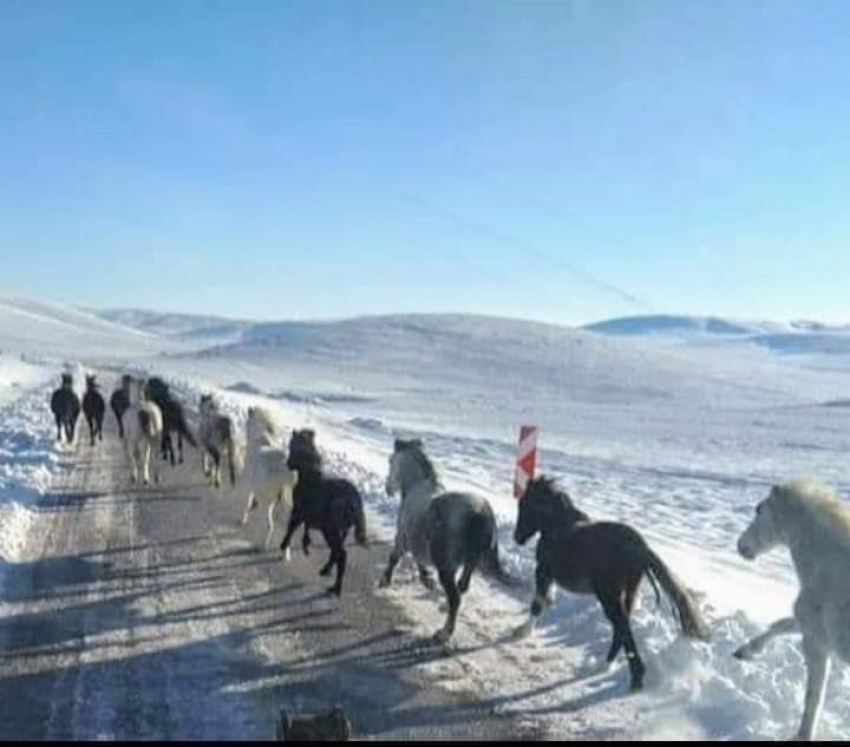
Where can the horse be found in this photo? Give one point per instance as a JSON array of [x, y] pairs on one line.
[[143, 430], [94, 408], [606, 559], [446, 530], [266, 471], [217, 436], [120, 401], [809, 519], [65, 406], [173, 419], [330, 504]]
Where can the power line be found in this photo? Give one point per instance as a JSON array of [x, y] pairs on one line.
[[524, 246]]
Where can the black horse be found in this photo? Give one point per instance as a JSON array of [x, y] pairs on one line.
[[120, 402], [94, 409], [173, 419], [65, 406], [602, 558], [330, 504]]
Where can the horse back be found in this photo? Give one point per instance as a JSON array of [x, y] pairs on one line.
[[458, 528], [93, 402], [592, 551]]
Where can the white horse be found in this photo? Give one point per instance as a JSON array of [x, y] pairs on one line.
[[217, 436], [814, 524], [266, 471], [143, 433]]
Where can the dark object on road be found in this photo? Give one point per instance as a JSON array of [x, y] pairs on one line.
[[330, 727]]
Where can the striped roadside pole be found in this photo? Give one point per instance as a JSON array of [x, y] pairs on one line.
[[527, 459]]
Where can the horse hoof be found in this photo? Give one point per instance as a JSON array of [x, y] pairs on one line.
[[334, 591], [524, 630], [442, 637], [743, 654], [384, 582], [325, 572]]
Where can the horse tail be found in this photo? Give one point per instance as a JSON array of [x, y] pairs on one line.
[[147, 423], [360, 522], [184, 430], [492, 566], [231, 455], [689, 617], [480, 545]]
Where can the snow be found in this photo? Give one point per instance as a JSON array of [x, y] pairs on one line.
[[678, 437]]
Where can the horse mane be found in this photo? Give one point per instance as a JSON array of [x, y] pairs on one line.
[[266, 420], [425, 465], [551, 487], [820, 502]]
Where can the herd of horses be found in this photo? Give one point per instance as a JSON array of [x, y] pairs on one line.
[[456, 532]]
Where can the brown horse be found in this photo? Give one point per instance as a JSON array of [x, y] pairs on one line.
[[606, 559]]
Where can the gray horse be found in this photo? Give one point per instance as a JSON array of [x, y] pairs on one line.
[[442, 530]]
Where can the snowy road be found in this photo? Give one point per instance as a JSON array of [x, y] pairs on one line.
[[155, 615]]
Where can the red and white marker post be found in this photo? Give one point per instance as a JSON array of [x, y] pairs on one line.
[[527, 459]]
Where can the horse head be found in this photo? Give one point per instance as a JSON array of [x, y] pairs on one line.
[[543, 505], [302, 450], [763, 533]]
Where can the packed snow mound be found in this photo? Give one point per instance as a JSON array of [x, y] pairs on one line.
[[506, 356], [186, 327], [671, 326], [35, 327], [662, 325]]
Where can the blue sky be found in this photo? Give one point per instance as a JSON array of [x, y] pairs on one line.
[[558, 161]]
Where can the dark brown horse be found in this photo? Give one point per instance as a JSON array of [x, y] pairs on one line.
[[65, 406], [333, 505], [94, 409], [606, 559]]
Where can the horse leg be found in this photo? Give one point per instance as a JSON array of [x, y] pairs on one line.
[[426, 578], [272, 506], [395, 556], [616, 612], [753, 648], [156, 468], [306, 541], [333, 541], [466, 576], [340, 558], [447, 580], [146, 458], [180, 446], [817, 668], [132, 451], [295, 520], [252, 504], [58, 429], [542, 599], [90, 421]]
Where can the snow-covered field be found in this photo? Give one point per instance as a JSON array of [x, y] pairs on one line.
[[677, 434]]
